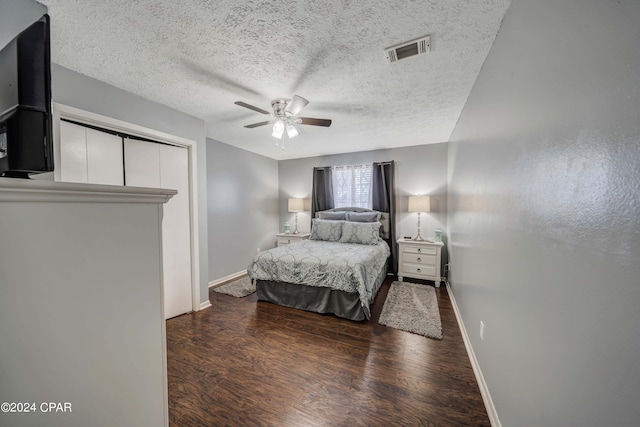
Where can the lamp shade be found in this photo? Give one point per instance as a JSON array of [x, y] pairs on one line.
[[296, 205], [292, 132], [419, 204], [278, 129]]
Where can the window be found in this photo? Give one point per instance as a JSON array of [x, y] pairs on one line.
[[352, 186]]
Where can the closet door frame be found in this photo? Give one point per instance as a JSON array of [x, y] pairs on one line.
[[61, 111]]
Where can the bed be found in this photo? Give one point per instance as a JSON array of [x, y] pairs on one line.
[[339, 270]]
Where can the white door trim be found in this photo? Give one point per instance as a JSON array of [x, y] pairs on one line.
[[61, 111]]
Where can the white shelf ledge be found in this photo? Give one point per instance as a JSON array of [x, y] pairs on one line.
[[26, 190]]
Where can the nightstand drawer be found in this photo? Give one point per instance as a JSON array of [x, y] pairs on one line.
[[417, 270], [286, 241], [423, 250], [419, 258], [290, 238]]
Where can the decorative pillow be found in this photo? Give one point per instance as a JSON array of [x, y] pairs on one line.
[[364, 233], [329, 230], [335, 216], [363, 216]]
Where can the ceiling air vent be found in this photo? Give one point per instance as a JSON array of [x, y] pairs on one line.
[[407, 49]]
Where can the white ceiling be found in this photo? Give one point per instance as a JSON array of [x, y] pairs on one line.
[[200, 56]]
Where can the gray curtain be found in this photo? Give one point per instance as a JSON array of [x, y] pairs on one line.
[[322, 191], [384, 200]]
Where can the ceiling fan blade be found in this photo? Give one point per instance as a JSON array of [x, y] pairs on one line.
[[251, 107], [296, 105], [314, 122], [255, 125]]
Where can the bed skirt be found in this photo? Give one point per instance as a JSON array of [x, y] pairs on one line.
[[311, 298], [317, 299]]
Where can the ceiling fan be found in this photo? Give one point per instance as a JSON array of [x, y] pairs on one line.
[[284, 116]]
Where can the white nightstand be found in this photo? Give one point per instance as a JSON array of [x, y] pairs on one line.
[[289, 238], [420, 260]]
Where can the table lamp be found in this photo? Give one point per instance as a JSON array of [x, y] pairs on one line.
[[419, 204], [296, 205]]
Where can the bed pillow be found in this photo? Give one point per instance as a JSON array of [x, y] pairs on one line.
[[328, 230], [363, 216], [335, 216], [363, 233]]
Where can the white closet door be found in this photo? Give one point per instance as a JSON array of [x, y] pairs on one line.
[[104, 158], [176, 231], [73, 153], [142, 163], [157, 165]]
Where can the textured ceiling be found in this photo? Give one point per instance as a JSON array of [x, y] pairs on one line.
[[199, 56]]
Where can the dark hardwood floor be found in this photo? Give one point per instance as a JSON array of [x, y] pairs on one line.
[[249, 363]]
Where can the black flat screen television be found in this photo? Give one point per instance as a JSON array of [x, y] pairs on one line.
[[26, 145]]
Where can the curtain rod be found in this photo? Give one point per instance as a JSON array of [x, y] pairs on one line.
[[329, 167]]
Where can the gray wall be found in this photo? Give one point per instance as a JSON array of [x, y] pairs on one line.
[[77, 90], [16, 15], [420, 169], [242, 207], [544, 214], [80, 306]]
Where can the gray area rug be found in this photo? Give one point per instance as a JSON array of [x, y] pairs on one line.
[[413, 308], [238, 288]]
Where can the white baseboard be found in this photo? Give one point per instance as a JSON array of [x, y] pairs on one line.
[[205, 304], [227, 278], [484, 390]]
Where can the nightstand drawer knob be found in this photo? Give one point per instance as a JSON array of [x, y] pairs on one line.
[[419, 259], [419, 250], [418, 270]]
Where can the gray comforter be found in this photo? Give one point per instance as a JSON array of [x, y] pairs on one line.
[[347, 267]]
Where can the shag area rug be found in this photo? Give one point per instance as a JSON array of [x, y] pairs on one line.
[[413, 308], [238, 288]]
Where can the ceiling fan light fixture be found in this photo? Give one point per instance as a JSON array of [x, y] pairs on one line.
[[284, 118], [278, 129], [292, 132]]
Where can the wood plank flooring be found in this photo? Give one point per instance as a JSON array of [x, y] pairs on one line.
[[249, 363]]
